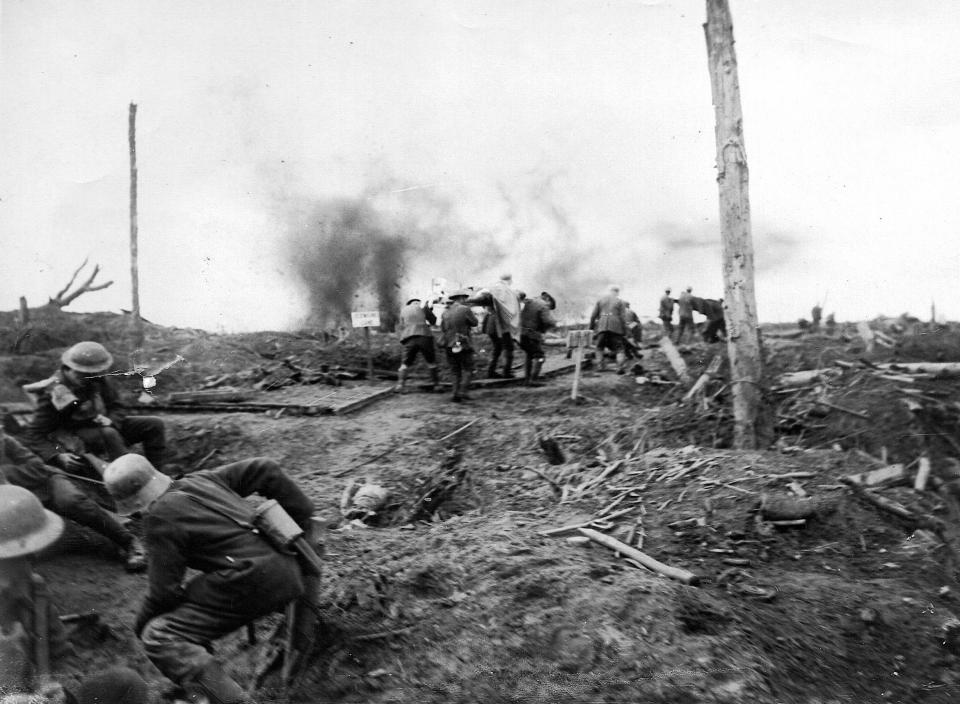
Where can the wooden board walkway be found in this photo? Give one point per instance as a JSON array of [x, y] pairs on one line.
[[295, 400]]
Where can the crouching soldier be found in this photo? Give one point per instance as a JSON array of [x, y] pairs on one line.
[[54, 489], [416, 336], [202, 522], [78, 410]]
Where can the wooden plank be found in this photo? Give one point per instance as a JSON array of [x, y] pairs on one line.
[[878, 476], [361, 401], [676, 361]]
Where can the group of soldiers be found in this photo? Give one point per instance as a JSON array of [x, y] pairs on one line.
[[687, 303], [510, 319], [200, 522]]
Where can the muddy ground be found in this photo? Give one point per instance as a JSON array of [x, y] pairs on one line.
[[472, 603]]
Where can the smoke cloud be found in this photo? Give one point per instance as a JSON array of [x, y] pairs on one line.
[[359, 253]]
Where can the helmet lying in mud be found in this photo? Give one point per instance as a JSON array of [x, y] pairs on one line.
[[87, 357], [25, 525], [134, 483]]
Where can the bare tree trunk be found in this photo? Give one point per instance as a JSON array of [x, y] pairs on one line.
[[134, 267], [24, 311], [740, 307]]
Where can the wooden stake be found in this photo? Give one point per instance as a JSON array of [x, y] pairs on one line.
[[134, 266], [366, 336], [740, 307], [580, 336]]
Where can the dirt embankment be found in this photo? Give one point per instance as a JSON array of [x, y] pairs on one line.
[[476, 604]]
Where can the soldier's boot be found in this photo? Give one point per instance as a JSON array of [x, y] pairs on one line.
[[537, 365], [465, 386], [508, 364], [434, 378], [400, 388], [621, 363], [456, 387], [214, 685], [527, 371]]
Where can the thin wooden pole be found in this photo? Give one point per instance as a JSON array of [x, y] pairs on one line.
[[740, 306], [134, 266], [366, 335]]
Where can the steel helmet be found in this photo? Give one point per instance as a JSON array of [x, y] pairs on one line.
[[134, 483], [88, 357], [25, 525]]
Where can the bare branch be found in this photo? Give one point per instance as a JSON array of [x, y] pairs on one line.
[[63, 299], [70, 282]]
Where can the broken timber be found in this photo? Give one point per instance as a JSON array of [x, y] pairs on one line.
[[677, 573], [676, 361], [707, 375]]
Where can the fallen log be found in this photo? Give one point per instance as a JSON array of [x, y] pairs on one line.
[[677, 573], [676, 361], [707, 375]]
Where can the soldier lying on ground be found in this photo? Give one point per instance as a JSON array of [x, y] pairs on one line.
[[78, 411], [55, 491]]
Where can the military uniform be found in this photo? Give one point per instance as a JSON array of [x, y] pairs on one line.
[[56, 492], [455, 324], [666, 313], [535, 320], [87, 418], [685, 311], [202, 522], [416, 336], [607, 322]]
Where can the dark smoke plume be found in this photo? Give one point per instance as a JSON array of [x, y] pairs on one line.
[[356, 253], [341, 249]]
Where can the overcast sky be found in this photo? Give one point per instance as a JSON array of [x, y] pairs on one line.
[[576, 135]]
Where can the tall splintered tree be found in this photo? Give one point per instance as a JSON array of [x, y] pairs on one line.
[[740, 306]]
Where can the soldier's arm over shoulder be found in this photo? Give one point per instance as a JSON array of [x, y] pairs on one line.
[[430, 315], [262, 475]]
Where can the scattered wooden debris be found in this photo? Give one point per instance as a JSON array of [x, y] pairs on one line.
[[679, 574], [884, 475]]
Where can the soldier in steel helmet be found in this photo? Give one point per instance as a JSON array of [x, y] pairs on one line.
[[26, 527], [455, 325], [78, 411], [202, 522], [23, 468]]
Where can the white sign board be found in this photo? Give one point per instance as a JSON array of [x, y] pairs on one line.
[[365, 319]]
